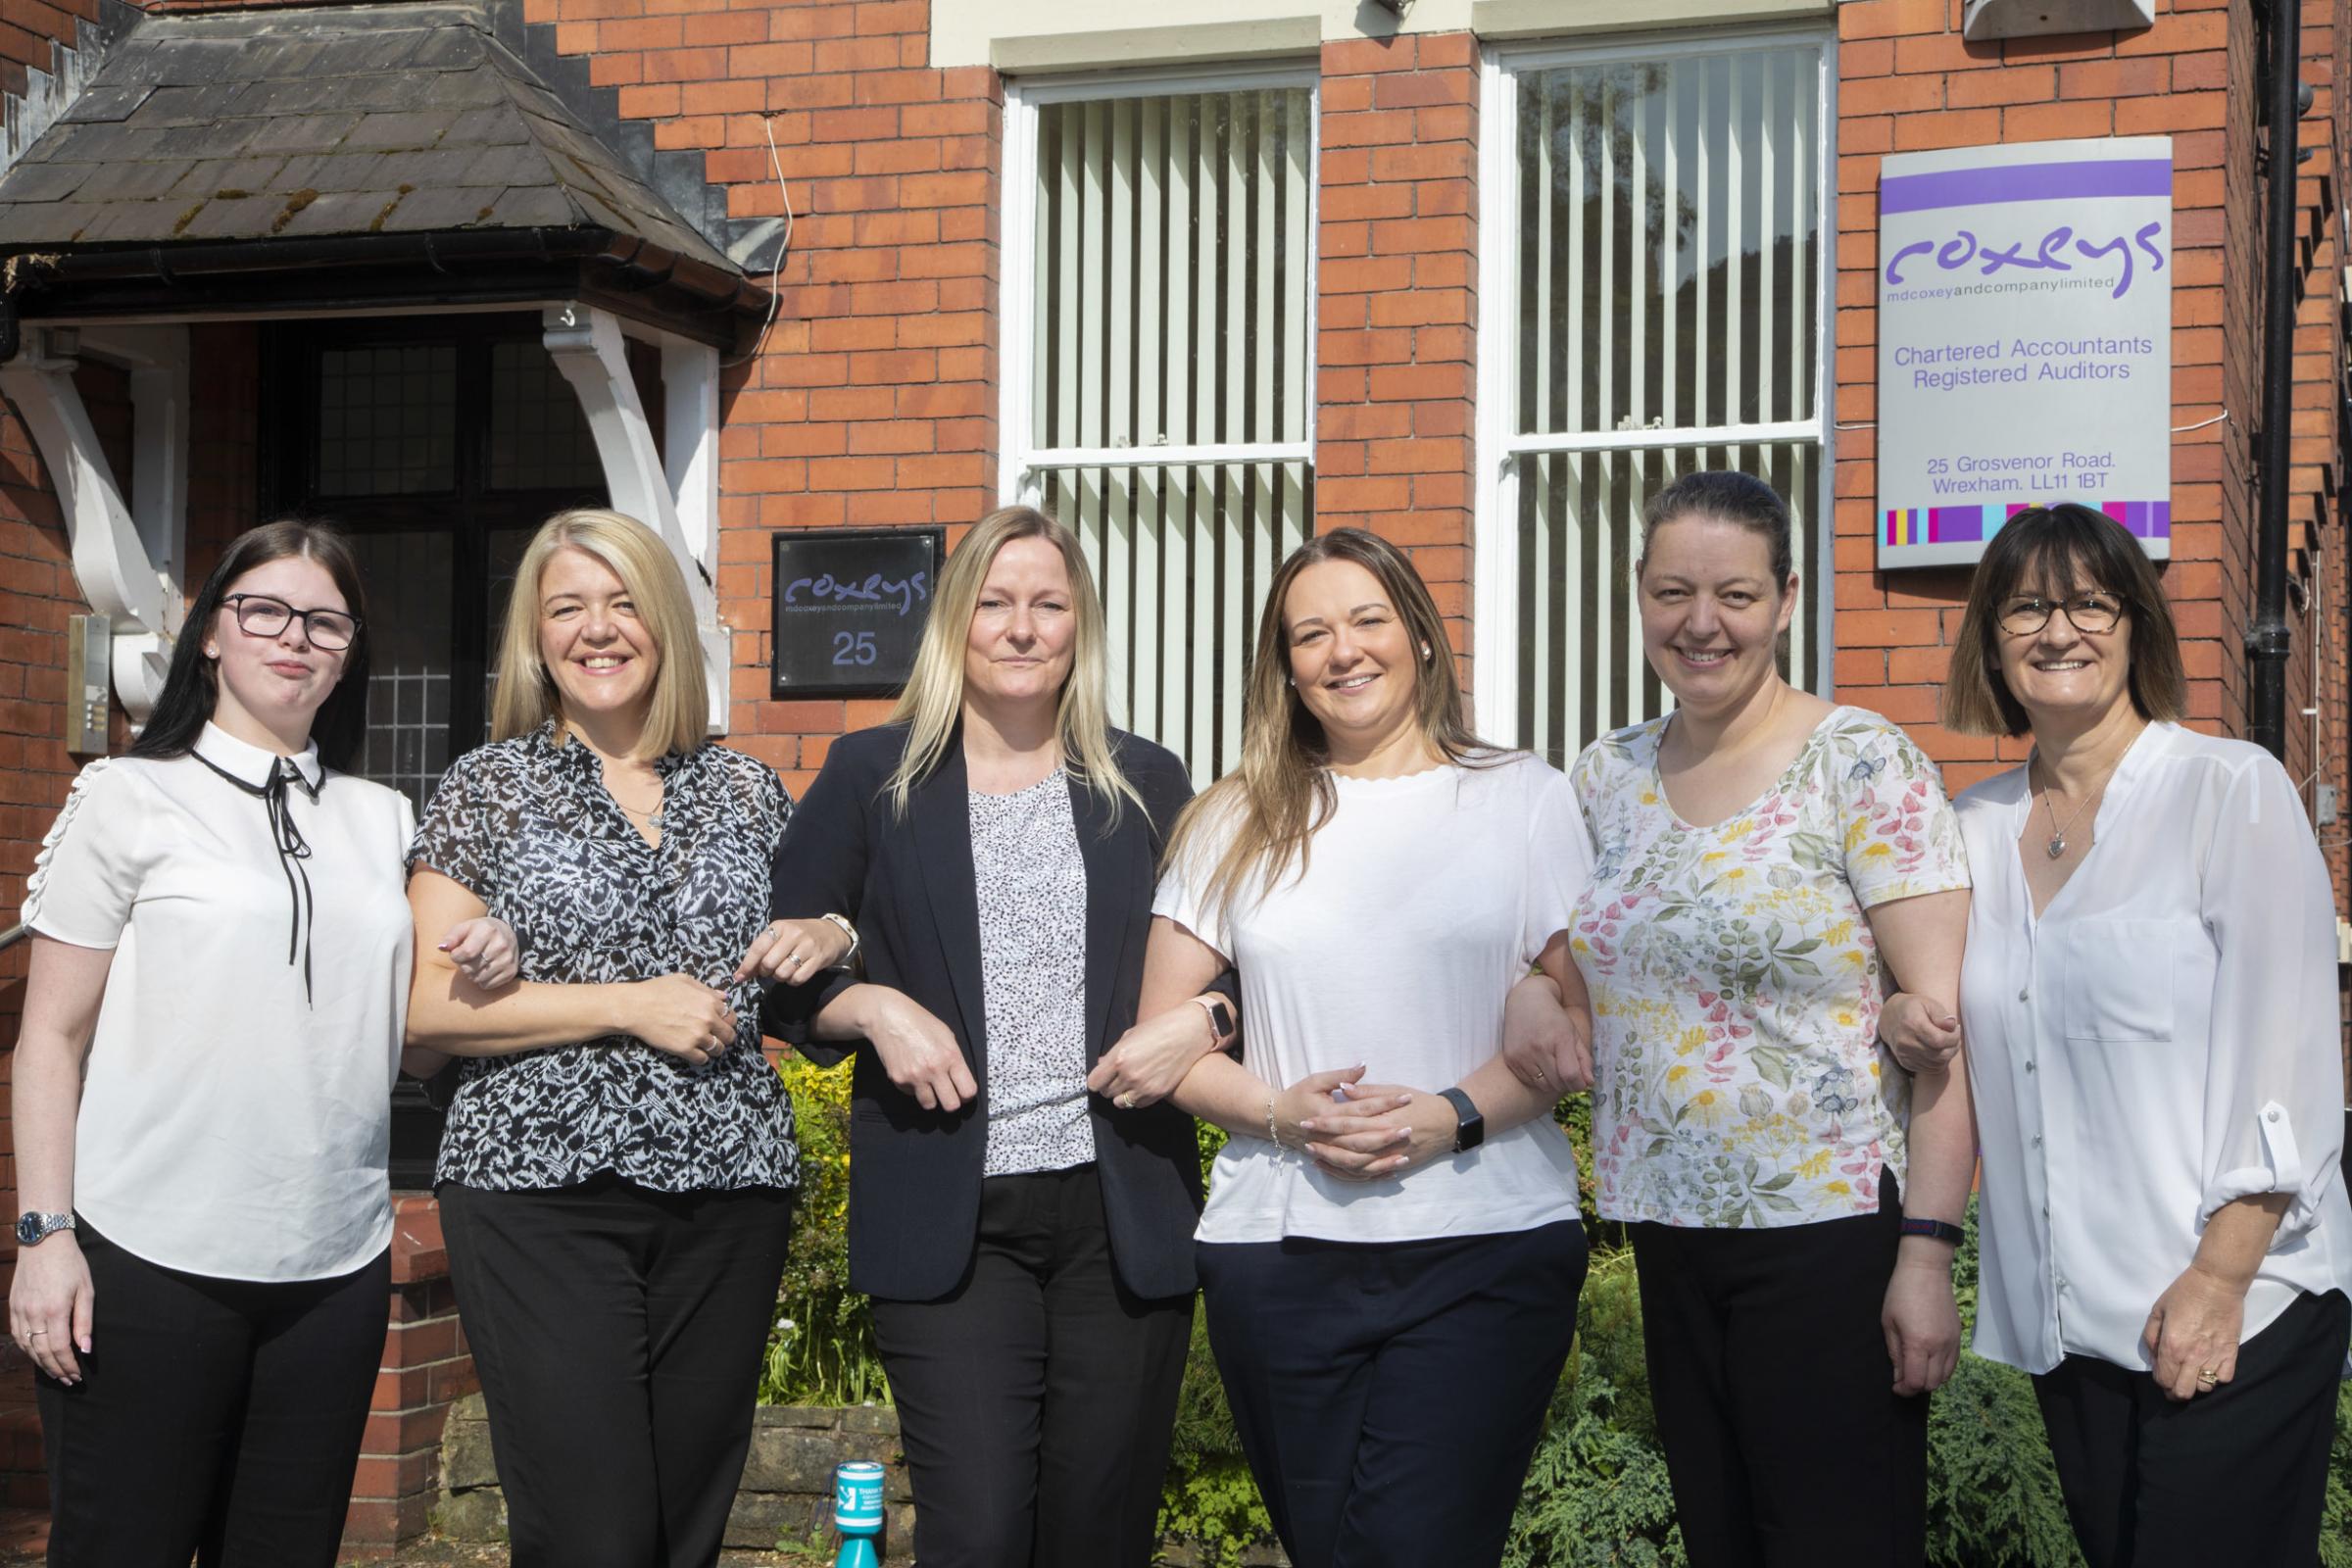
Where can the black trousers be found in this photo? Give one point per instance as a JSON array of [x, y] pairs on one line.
[[1036, 1400], [1769, 1372], [2235, 1475], [1390, 1396], [219, 1419], [619, 1334]]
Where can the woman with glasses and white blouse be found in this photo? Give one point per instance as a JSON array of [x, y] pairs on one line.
[[615, 1175], [2149, 1002], [203, 1088]]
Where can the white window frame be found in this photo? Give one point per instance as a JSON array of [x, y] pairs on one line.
[[1021, 464], [1494, 570]]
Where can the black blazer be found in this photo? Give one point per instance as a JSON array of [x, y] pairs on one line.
[[909, 885]]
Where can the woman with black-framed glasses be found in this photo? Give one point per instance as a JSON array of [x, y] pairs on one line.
[[203, 1088], [2150, 1007]]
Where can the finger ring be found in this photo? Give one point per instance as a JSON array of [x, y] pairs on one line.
[[36, 1333], [794, 956], [1125, 1101], [1540, 1078], [2211, 1374]]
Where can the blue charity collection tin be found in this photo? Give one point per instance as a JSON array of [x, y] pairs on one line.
[[857, 1497]]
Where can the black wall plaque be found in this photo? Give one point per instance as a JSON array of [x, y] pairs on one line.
[[850, 607]]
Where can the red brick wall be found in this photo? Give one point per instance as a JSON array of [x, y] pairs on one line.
[[27, 27], [426, 1369], [874, 401], [1396, 348], [1908, 81]]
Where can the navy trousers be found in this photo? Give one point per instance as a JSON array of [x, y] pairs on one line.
[[1390, 1396]]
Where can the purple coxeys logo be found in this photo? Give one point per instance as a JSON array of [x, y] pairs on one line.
[[1964, 248]]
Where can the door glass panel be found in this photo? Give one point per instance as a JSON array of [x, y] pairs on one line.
[[539, 438], [388, 419], [409, 578]]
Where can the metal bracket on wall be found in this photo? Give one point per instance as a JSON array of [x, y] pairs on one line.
[[127, 556], [586, 345]]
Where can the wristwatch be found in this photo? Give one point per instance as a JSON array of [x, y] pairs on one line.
[[1220, 1020], [33, 1228], [1471, 1130], [1934, 1230]]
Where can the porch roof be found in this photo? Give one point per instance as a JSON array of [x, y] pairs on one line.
[[243, 139]]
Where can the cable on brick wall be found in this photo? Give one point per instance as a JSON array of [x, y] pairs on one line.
[[775, 280]]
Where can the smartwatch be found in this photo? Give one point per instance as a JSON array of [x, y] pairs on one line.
[[1220, 1019], [1471, 1131], [33, 1228], [1934, 1230]]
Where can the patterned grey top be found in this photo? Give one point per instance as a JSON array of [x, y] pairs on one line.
[[529, 827], [1032, 887]]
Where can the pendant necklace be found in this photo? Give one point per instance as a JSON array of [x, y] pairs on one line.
[[2057, 842]]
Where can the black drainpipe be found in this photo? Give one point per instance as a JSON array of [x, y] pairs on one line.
[[2268, 639]]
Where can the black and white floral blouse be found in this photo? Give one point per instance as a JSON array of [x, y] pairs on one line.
[[527, 826]]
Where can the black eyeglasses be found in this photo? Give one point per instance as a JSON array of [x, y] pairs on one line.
[[2093, 612], [260, 616]]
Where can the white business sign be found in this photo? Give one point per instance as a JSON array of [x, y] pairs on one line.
[[2025, 341]]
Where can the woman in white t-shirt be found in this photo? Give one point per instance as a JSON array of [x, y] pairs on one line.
[[203, 1088], [1392, 1252]]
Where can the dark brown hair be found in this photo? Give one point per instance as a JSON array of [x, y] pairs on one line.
[[1735, 497], [192, 684], [2058, 548]]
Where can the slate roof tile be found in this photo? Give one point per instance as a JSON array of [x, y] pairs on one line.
[[316, 119]]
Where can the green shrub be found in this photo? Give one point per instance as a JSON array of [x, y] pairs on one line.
[[2335, 1522], [1596, 1491], [820, 1351]]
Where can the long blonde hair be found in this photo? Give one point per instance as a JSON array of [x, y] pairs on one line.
[[526, 695], [932, 704], [1282, 792]]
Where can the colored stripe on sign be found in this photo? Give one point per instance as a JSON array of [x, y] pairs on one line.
[[2025, 182], [2143, 519], [1948, 525]]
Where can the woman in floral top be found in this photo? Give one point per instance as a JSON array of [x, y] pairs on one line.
[[1763, 862]]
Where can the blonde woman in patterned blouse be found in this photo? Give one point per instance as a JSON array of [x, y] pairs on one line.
[[615, 1177], [1765, 866]]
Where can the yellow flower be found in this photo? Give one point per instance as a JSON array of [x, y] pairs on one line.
[[1879, 848], [1678, 1074], [1712, 856], [1846, 1018], [1650, 798], [1813, 1165], [1735, 873], [1838, 1189], [1710, 1105], [1855, 831], [1694, 1039], [1578, 945]]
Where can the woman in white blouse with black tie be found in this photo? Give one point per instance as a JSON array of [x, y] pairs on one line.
[[203, 1088], [2150, 1009]]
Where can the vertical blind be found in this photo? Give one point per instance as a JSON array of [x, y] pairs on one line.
[[1170, 277], [1667, 272]]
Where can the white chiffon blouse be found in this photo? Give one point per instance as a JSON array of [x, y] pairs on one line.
[[2159, 1041], [236, 1106]]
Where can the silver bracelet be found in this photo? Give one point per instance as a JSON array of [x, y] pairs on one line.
[[1273, 1132], [846, 930]]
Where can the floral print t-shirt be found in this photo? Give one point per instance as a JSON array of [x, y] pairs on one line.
[[1736, 989]]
